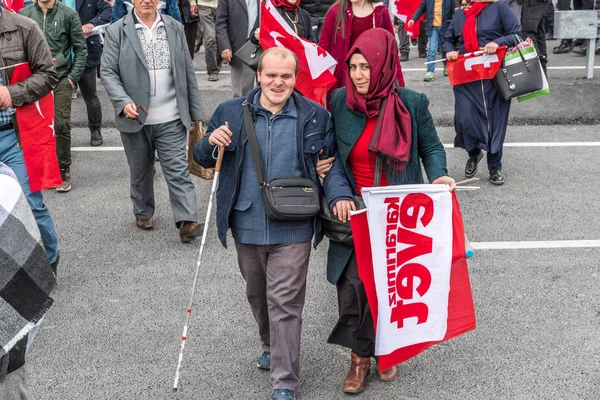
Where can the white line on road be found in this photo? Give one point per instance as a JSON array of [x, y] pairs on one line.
[[551, 244], [447, 145], [543, 144], [574, 67]]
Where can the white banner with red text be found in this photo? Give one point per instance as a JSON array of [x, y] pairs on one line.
[[410, 250]]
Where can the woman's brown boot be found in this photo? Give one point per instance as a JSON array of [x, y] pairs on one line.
[[387, 375], [359, 369]]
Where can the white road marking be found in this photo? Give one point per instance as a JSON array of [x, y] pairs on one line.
[[565, 68], [551, 244], [103, 148], [447, 145], [543, 144]]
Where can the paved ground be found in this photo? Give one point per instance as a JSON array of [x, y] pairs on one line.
[[114, 331]]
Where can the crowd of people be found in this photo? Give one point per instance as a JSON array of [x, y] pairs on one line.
[[373, 131]]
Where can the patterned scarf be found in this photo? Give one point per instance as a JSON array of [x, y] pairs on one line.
[[28, 281]]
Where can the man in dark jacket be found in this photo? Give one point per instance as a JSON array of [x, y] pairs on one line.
[[21, 40], [189, 18], [92, 13], [235, 20], [273, 255], [317, 10], [62, 28]]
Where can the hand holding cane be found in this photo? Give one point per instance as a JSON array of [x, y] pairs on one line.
[[198, 263]]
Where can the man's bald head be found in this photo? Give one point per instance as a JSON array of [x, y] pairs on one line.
[[277, 54]]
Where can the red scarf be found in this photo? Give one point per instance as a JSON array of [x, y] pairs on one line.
[[470, 29], [286, 5], [392, 135]]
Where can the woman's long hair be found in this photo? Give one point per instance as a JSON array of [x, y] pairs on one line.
[[340, 20]]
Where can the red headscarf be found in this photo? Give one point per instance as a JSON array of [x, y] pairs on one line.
[[286, 5], [392, 134], [470, 29]]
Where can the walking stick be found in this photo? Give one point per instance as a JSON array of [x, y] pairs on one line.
[[189, 309]]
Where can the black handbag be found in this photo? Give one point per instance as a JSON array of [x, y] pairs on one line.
[[336, 230], [521, 77], [287, 198], [249, 54]]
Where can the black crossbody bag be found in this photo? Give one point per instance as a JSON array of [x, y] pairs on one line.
[[287, 198]]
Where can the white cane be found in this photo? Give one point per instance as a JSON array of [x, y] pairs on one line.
[[198, 263]]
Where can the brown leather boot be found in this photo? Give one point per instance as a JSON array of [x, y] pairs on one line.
[[144, 224], [190, 231], [359, 369], [387, 375]]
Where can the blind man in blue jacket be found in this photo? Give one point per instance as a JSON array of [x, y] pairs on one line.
[[273, 256]]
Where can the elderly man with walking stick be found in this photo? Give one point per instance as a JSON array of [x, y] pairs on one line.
[[151, 82]]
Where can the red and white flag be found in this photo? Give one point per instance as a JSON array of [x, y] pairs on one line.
[[315, 65], [404, 10], [410, 251], [13, 5], [475, 66], [36, 129]]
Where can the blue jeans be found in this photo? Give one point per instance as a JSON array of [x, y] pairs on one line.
[[434, 42], [11, 155]]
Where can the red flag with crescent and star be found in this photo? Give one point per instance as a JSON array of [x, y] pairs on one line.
[[38, 140], [315, 65], [13, 5]]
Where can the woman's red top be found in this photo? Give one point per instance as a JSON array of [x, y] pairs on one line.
[[362, 162]]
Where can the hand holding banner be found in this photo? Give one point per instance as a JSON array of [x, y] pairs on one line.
[[475, 66]]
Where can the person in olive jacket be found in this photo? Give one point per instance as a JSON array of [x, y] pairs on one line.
[[62, 28]]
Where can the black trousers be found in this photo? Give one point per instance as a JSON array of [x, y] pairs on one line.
[[354, 329], [190, 29], [87, 85]]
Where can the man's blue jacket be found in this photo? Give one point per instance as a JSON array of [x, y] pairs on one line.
[[314, 133]]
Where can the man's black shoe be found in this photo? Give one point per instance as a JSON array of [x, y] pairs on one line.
[[96, 138], [496, 177], [564, 48], [403, 56], [580, 50], [422, 54], [471, 167]]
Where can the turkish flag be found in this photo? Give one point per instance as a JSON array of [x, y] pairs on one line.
[[36, 129], [315, 65], [404, 10], [13, 5], [410, 252], [475, 66]]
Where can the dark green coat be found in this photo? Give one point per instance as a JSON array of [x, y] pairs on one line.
[[62, 29], [425, 147]]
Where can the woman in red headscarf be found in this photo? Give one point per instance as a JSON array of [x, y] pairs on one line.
[[297, 18], [378, 125]]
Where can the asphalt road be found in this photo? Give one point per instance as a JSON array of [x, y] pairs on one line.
[[114, 332]]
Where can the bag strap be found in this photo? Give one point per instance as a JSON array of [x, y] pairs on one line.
[[254, 146], [378, 165], [519, 45]]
